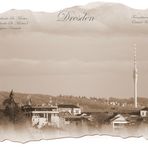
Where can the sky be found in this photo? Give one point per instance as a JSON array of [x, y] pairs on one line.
[[56, 5], [81, 59]]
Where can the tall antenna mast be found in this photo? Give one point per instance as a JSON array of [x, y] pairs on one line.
[[135, 76]]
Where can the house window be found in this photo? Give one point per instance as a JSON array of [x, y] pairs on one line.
[[41, 115], [143, 113], [116, 124], [77, 111]]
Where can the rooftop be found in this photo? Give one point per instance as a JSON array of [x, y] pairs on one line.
[[67, 106], [145, 108]]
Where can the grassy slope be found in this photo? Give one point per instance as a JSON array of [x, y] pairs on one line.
[[86, 104]]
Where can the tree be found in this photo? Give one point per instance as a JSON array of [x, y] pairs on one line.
[[11, 107]]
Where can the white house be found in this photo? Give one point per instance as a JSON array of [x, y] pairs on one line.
[[42, 116], [119, 122], [144, 112], [72, 109]]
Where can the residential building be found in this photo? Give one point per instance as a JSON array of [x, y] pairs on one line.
[[72, 109], [144, 112], [119, 122]]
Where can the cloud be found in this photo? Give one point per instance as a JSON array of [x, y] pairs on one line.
[[23, 67]]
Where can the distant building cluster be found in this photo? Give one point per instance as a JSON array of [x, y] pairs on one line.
[[55, 116], [64, 115]]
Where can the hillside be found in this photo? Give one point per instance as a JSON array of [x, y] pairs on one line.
[[86, 104]]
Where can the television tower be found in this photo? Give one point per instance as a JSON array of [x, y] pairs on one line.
[[135, 77]]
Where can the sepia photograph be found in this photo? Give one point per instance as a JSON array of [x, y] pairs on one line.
[[78, 71]]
